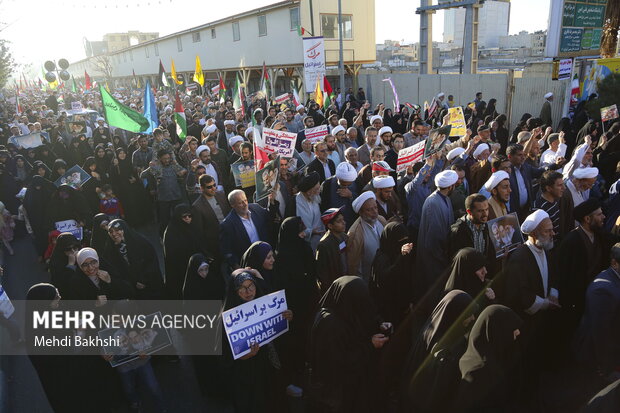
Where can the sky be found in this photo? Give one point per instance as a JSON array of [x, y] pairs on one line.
[[41, 30]]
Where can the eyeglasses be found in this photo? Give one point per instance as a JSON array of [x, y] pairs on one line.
[[249, 289], [323, 150], [186, 216], [89, 264]]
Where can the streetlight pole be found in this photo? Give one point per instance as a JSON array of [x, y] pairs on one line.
[[341, 64]]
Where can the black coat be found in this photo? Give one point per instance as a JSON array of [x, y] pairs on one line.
[[317, 166]]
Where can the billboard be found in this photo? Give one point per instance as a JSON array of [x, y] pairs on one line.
[[314, 60]]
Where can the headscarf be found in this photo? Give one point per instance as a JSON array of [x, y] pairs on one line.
[[25, 172], [292, 249], [63, 241], [197, 288], [41, 292], [393, 237], [254, 257], [462, 272], [99, 235], [491, 344], [232, 297], [349, 300]]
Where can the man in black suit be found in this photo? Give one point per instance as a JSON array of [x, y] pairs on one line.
[[244, 225], [321, 164], [521, 176], [209, 210], [194, 128]]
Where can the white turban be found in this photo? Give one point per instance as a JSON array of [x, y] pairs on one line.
[[233, 140], [229, 122], [209, 129], [384, 129], [360, 200], [346, 172], [299, 107], [495, 179], [481, 148], [337, 129], [456, 152], [441, 94], [548, 95], [374, 118], [446, 179], [533, 221], [84, 254], [202, 148], [583, 173], [384, 181], [100, 118], [248, 131]]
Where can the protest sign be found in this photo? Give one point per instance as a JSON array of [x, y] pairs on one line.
[[267, 179], [135, 341], [280, 142], [77, 106], [76, 127], [75, 177], [314, 60], [316, 134], [70, 225], [295, 163], [32, 140], [6, 306], [282, 98], [457, 121], [609, 113], [244, 173], [409, 156], [258, 321], [436, 140], [505, 233]]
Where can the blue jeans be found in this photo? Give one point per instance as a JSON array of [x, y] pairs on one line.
[[143, 376]]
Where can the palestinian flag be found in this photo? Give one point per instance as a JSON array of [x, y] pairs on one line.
[[222, 91], [238, 97], [163, 81], [266, 87], [179, 118], [329, 93]]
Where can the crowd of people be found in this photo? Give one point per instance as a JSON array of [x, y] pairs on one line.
[[399, 296]]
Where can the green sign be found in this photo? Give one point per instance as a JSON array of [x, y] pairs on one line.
[[589, 15], [568, 15], [570, 40]]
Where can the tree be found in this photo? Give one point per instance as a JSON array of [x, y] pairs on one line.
[[608, 91], [103, 65], [6, 63], [609, 40]]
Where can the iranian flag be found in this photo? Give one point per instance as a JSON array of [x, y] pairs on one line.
[[222, 90], [296, 99], [266, 83], [238, 97], [179, 118], [575, 89]]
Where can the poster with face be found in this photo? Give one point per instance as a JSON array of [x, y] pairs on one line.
[[75, 177], [505, 233], [267, 179], [75, 127], [295, 163], [135, 341], [244, 173], [436, 140]]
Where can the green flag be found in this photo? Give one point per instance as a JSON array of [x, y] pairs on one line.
[[121, 116], [73, 85]]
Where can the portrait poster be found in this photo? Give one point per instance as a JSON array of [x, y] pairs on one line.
[[505, 233], [244, 173], [75, 177], [436, 140], [135, 341], [267, 179]]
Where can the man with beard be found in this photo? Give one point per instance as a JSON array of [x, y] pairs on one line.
[[583, 255], [498, 186], [471, 229], [292, 124], [332, 152], [416, 134], [436, 219], [383, 187], [339, 133], [204, 154], [339, 192]]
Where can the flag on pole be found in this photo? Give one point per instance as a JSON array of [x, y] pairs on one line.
[[329, 93], [396, 101], [18, 106], [261, 157], [74, 88], [266, 86], [173, 71], [238, 100], [301, 31], [222, 91], [150, 109], [118, 115], [296, 99], [107, 87], [318, 93], [179, 117], [162, 75], [87, 83], [198, 75], [575, 89]]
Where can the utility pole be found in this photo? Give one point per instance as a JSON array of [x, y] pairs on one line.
[[426, 37], [341, 64]]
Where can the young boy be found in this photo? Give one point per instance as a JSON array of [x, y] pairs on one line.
[[109, 204]]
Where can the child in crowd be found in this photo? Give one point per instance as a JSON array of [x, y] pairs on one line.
[[110, 204]]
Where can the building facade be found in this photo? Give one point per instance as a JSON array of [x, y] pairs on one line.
[[494, 18]]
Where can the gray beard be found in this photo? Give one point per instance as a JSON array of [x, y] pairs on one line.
[[369, 221], [546, 245]]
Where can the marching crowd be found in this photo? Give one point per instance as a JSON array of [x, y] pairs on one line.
[[400, 292]]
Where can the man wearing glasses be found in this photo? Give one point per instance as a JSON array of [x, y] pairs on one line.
[[322, 165], [209, 210]]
